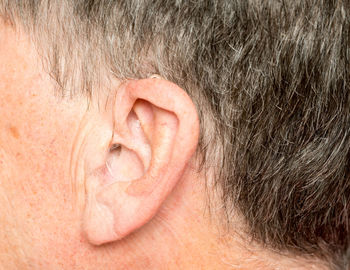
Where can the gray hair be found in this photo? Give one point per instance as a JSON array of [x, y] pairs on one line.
[[271, 83]]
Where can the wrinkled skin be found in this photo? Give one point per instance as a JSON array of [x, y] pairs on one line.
[[35, 144]]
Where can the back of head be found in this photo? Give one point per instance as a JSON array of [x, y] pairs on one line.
[[271, 81]]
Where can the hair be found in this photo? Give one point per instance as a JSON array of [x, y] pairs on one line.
[[270, 79]]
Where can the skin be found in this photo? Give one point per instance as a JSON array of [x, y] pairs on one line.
[[42, 145]]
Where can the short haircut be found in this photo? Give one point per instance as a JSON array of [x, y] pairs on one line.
[[271, 83]]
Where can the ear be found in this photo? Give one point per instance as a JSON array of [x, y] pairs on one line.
[[155, 134]]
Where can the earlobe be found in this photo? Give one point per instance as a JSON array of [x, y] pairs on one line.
[[156, 130]]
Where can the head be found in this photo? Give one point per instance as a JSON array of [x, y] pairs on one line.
[[191, 134]]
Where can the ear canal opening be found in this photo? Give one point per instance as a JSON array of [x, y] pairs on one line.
[[124, 165], [116, 147]]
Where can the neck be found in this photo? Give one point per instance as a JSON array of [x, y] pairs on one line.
[[196, 241]]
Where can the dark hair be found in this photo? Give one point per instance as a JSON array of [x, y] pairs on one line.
[[271, 83]]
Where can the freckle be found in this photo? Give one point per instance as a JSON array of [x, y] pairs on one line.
[[14, 132]]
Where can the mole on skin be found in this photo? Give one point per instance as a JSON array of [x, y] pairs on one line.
[[14, 132]]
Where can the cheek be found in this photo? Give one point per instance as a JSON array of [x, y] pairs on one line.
[[10, 236], [38, 220], [35, 185]]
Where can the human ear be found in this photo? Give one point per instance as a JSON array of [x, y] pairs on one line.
[[155, 134]]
